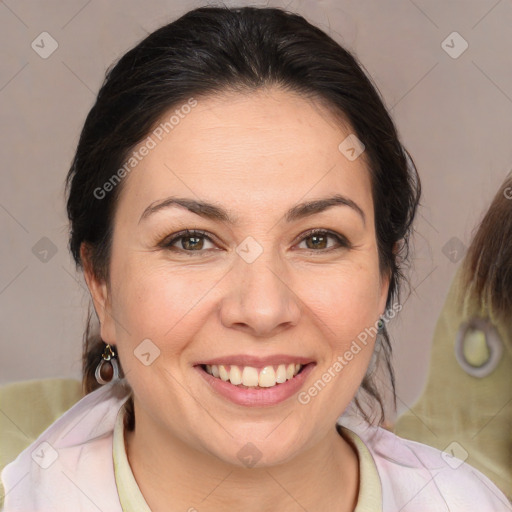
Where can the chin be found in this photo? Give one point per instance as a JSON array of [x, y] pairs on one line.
[[255, 451]]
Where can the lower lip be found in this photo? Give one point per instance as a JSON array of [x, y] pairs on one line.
[[257, 397]]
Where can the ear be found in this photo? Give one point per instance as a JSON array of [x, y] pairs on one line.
[[385, 282], [100, 296], [384, 288]]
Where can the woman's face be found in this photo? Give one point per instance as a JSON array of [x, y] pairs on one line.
[[259, 291]]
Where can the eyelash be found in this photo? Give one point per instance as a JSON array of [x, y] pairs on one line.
[[167, 243]]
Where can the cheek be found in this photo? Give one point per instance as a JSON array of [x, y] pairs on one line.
[[153, 303], [149, 307], [345, 302], [344, 311]]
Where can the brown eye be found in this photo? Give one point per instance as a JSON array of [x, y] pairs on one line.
[[319, 240], [191, 241]]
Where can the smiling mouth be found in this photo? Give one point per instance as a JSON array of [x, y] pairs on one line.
[[248, 377]]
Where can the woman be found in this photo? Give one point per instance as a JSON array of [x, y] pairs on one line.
[[240, 204]]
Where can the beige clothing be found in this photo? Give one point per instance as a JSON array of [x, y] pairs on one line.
[[132, 500]]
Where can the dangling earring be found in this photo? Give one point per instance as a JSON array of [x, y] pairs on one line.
[[107, 367], [378, 347]]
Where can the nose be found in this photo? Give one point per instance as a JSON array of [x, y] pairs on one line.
[[259, 300]]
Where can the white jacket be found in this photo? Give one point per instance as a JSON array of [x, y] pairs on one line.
[[69, 467]]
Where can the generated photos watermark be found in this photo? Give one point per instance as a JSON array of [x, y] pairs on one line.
[[304, 397], [149, 143]]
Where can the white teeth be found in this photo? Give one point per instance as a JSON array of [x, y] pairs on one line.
[[281, 374], [235, 376], [267, 377], [249, 376], [224, 375]]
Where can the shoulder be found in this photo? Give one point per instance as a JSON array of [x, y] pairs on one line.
[[68, 457], [417, 477]]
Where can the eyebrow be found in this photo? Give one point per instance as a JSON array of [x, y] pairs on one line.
[[217, 213]]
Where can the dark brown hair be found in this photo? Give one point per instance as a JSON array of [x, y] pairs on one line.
[[212, 50], [487, 267]]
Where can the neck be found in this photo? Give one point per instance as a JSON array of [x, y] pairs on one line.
[[167, 470]]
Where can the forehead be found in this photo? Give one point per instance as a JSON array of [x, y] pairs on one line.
[[248, 152]]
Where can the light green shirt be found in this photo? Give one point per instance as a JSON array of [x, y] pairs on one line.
[[370, 491]]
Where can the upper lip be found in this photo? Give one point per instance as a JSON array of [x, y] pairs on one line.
[[255, 361]]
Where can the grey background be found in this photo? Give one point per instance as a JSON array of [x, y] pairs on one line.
[[453, 115]]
